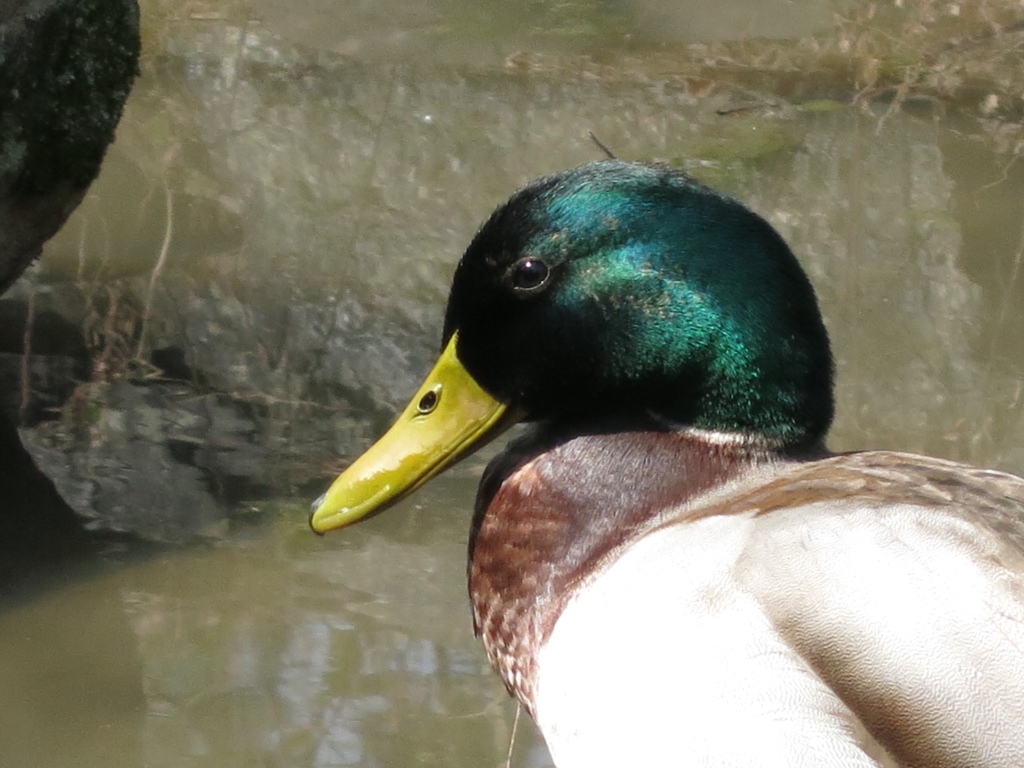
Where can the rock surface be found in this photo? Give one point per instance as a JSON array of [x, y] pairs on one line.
[[66, 67]]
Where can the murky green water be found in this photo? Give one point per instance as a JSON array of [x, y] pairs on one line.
[[275, 648], [338, 160]]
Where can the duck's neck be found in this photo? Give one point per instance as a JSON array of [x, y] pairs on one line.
[[552, 512]]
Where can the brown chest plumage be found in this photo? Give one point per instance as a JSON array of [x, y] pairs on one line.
[[557, 517]]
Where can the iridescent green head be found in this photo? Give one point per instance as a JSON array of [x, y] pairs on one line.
[[619, 288], [615, 292]]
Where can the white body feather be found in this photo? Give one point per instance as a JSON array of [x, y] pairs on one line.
[[778, 640]]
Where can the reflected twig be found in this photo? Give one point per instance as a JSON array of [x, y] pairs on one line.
[[515, 729], [26, 355], [1005, 175], [83, 232], [158, 267], [600, 145], [1018, 257]]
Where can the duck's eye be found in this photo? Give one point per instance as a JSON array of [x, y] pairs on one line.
[[429, 401], [529, 274]]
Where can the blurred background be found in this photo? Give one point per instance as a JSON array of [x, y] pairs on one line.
[[256, 282]]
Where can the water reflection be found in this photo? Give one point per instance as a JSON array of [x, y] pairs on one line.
[[275, 648], [311, 189], [71, 689], [462, 31]]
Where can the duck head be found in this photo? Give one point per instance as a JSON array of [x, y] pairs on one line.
[[613, 292]]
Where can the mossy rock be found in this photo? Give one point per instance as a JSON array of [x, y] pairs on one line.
[[66, 68]]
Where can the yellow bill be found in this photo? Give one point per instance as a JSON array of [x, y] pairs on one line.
[[448, 417]]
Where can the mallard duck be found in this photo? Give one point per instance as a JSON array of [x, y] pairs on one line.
[[667, 567]]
